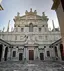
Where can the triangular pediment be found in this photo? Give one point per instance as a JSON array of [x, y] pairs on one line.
[[31, 15]]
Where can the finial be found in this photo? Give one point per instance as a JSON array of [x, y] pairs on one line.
[[35, 11], [18, 13], [26, 12], [43, 13], [3, 29], [8, 26], [53, 25], [30, 9]]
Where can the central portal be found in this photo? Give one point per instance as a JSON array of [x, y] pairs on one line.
[[31, 54]]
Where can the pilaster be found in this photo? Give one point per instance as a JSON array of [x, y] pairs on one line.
[[17, 53], [3, 52], [36, 55], [9, 53], [25, 53], [58, 50]]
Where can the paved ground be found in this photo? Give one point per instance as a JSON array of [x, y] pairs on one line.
[[32, 66]]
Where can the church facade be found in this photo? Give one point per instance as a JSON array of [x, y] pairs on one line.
[[30, 39]]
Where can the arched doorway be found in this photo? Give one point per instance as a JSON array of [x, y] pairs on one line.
[[31, 54], [6, 51], [1, 47], [61, 51]]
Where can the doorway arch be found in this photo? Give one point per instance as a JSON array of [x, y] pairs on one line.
[[1, 48], [61, 51], [5, 56]]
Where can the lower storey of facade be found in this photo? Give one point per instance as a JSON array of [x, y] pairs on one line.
[[30, 52]]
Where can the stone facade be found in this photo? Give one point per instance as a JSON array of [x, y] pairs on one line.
[[30, 38]]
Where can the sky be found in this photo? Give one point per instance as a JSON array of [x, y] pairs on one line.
[[11, 7]]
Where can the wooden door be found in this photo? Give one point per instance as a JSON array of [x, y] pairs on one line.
[[31, 54]]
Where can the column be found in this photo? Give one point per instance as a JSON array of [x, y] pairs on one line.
[[17, 54], [37, 53], [9, 57], [11, 52], [3, 52], [52, 53], [24, 53], [58, 50]]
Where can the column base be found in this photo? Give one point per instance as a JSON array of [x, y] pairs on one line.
[[8, 59], [2, 59]]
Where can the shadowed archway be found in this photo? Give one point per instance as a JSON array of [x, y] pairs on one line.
[[61, 51], [1, 47], [6, 51]]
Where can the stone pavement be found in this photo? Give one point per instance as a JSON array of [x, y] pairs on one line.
[[32, 66]]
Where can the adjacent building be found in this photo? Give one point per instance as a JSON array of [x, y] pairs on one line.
[[30, 38], [58, 6], [1, 8]]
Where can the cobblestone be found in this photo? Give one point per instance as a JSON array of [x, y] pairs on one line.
[[32, 66]]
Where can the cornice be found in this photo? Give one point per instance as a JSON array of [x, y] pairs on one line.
[[55, 4], [1, 8]]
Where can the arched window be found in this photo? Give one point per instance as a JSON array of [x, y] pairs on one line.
[[22, 29], [40, 29], [30, 27]]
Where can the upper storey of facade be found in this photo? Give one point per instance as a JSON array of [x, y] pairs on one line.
[[30, 17]]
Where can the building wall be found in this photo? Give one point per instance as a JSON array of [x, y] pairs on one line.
[[58, 6], [23, 40]]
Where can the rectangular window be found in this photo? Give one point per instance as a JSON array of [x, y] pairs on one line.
[[3, 36], [14, 53], [44, 46], [40, 37], [39, 29], [15, 37], [16, 29], [22, 29], [46, 37], [48, 53], [62, 2]]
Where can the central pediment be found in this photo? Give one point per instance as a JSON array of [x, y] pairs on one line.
[[30, 15]]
